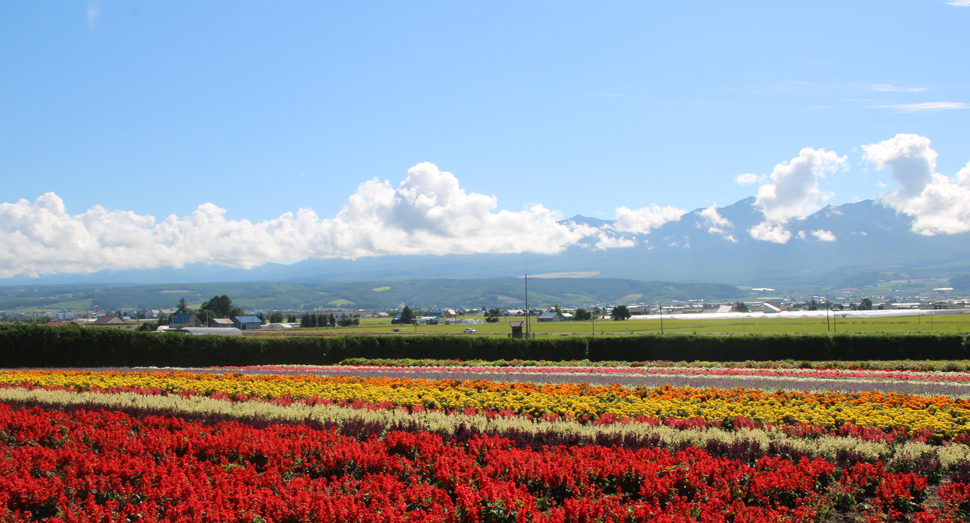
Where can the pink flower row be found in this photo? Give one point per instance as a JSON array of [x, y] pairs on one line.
[[955, 377]]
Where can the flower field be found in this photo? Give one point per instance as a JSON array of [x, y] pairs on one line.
[[315, 444]]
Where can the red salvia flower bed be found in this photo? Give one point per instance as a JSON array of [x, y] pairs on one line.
[[108, 466]]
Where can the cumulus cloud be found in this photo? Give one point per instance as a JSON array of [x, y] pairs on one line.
[[937, 204], [428, 213], [748, 179], [794, 192], [963, 177], [641, 221], [604, 241], [715, 223], [768, 232], [824, 236]]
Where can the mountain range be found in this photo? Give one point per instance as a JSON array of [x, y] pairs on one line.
[[849, 244]]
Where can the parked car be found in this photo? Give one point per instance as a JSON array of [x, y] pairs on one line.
[[469, 331]]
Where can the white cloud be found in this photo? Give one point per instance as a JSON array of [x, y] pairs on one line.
[[795, 192], [748, 179], [427, 214], [641, 221], [765, 231], [824, 236], [892, 88], [715, 223], [925, 106], [93, 12], [937, 204], [963, 177], [605, 241], [881, 185], [960, 3]]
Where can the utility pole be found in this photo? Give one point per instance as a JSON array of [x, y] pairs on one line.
[[827, 327], [527, 311], [661, 317]]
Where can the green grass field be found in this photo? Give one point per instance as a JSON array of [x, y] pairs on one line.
[[925, 324]]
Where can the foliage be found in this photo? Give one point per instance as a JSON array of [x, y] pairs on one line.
[[493, 315], [960, 283], [865, 304], [347, 321], [182, 306], [27, 345], [407, 316], [582, 315], [620, 312], [739, 306]]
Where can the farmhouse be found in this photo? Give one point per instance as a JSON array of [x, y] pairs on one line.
[[769, 308], [112, 322], [184, 319], [551, 316], [247, 323]]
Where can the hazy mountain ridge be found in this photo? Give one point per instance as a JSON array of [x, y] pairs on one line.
[[493, 292]]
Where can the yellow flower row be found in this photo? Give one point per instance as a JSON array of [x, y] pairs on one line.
[[944, 416]]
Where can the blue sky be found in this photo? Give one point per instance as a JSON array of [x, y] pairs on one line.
[[262, 109]]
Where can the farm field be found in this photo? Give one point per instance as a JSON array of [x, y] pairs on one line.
[[486, 443], [755, 325]]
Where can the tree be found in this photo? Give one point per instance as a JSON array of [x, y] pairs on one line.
[[221, 307], [182, 307], [147, 326], [865, 305], [620, 312], [582, 315], [407, 316], [333, 321], [812, 305], [557, 309], [739, 306], [492, 315]]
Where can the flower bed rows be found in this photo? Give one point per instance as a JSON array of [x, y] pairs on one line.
[[895, 365], [199, 446], [845, 374], [943, 417], [913, 382], [737, 439], [96, 466]]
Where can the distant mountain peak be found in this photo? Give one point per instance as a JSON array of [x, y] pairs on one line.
[[586, 220]]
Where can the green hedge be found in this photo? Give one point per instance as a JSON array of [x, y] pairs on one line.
[[773, 347], [28, 345]]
